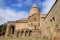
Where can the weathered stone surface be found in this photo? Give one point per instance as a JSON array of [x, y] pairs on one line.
[[46, 26]]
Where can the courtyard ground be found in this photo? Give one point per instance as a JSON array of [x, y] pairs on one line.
[[19, 38]]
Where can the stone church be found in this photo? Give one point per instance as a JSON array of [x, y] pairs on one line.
[[25, 26], [37, 24]]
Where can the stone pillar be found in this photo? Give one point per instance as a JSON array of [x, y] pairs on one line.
[[30, 33], [26, 33], [20, 34], [15, 33], [11, 32], [55, 36], [8, 31]]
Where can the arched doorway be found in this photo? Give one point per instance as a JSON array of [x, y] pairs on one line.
[[12, 29], [22, 33], [30, 33], [26, 33]]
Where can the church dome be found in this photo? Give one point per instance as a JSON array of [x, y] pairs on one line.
[[34, 9]]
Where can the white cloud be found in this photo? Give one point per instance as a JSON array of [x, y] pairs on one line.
[[11, 15], [47, 5]]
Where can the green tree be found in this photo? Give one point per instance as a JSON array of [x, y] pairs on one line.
[[3, 29]]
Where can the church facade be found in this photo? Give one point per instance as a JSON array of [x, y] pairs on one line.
[[26, 26], [37, 24]]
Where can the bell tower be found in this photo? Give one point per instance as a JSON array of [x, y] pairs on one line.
[[34, 19], [34, 9]]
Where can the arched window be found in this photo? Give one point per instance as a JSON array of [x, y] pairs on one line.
[[53, 18], [35, 18]]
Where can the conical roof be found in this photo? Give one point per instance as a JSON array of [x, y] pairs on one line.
[[34, 9], [34, 5]]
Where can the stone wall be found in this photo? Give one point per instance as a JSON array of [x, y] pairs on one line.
[[51, 24], [21, 25]]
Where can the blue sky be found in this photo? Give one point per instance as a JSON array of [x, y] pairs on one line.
[[11, 10]]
